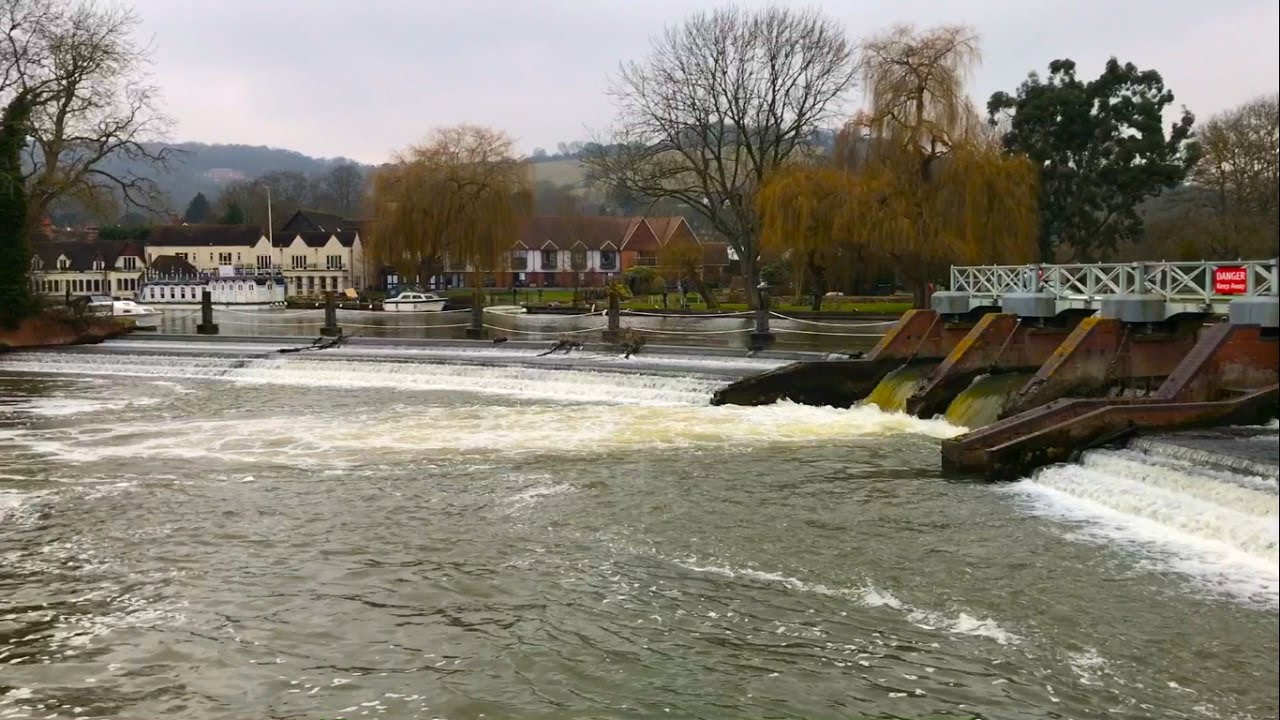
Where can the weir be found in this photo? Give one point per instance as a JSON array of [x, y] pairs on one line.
[[1134, 346], [919, 336]]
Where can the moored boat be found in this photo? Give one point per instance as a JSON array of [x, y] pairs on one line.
[[411, 301], [506, 309]]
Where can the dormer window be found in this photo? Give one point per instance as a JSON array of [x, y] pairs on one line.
[[98, 264], [64, 264], [129, 262], [35, 263]]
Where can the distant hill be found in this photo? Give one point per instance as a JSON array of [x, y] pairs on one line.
[[201, 167]]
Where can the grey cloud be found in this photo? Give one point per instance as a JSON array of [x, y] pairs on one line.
[[335, 77]]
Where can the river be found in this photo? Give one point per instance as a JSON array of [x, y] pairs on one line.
[[192, 537], [724, 330]]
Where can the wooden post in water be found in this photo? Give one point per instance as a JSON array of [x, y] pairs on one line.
[[207, 326], [330, 328], [475, 331], [613, 333], [761, 337]]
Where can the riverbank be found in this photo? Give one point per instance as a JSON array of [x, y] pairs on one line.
[[54, 329]]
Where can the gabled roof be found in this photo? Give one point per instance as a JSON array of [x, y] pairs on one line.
[[561, 231], [665, 227], [316, 221], [171, 265], [204, 235], [81, 255], [315, 239]]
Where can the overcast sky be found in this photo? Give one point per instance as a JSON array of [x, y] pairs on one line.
[[362, 78]]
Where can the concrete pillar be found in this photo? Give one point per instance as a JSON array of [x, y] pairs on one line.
[[976, 353], [330, 328], [475, 331], [206, 326], [761, 337]]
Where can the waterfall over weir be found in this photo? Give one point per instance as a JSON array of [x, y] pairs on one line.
[[586, 385], [1207, 514]]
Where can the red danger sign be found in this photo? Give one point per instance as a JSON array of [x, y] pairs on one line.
[[1232, 280]]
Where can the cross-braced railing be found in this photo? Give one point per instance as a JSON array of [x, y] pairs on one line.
[[1176, 282]]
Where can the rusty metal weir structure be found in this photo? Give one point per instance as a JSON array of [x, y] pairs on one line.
[[1114, 349]]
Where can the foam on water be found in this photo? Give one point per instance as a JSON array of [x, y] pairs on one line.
[[406, 432], [959, 622], [564, 385], [1216, 527]]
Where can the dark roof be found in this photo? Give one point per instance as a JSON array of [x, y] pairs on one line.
[[82, 253], [204, 235], [316, 239], [565, 232], [316, 221], [171, 265]]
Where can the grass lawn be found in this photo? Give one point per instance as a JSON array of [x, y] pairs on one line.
[[564, 297]]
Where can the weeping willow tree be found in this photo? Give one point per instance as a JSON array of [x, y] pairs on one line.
[[458, 200], [917, 181]]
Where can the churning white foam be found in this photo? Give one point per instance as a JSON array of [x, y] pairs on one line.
[[557, 384], [401, 433], [1220, 529], [960, 622]]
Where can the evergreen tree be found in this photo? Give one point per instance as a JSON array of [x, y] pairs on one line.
[[15, 299], [198, 210], [233, 215], [1100, 148]]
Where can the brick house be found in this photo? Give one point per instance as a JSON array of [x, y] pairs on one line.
[[553, 251]]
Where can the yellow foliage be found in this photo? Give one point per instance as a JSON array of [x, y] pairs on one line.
[[460, 195], [914, 181]]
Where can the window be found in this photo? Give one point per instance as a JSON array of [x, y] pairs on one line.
[[98, 264], [333, 262], [182, 291], [298, 284], [324, 283], [264, 262], [64, 264], [298, 262], [549, 259], [311, 283], [608, 260], [183, 256], [130, 263], [224, 258], [644, 259], [578, 259], [519, 259], [35, 262]]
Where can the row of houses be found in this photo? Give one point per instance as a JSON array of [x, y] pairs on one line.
[[315, 252]]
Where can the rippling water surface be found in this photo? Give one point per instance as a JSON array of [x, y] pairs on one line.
[[301, 538]]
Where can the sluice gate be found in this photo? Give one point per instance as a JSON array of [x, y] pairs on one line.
[[1110, 348]]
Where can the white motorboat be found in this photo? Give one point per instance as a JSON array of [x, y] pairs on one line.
[[144, 316], [414, 302], [506, 309]]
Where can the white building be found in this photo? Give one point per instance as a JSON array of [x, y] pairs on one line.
[[311, 261], [86, 267]]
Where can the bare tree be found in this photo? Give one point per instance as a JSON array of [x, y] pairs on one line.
[[723, 100], [92, 102], [343, 186]]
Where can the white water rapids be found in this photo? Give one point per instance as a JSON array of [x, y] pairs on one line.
[[220, 531]]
